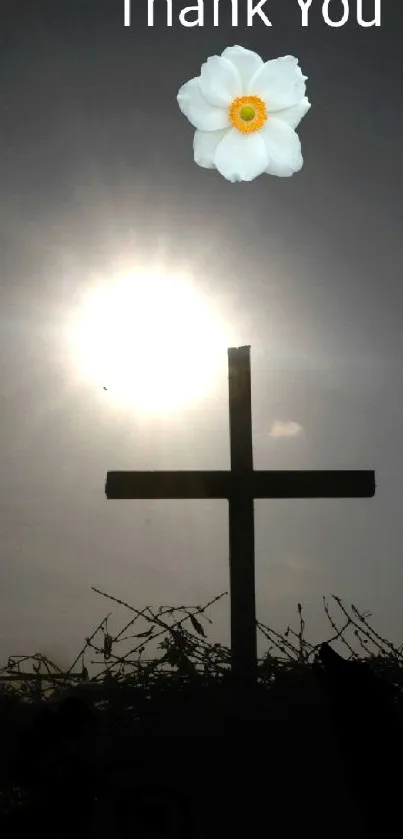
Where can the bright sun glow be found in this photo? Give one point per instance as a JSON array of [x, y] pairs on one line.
[[152, 340]]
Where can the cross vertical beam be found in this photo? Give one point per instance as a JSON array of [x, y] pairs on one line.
[[241, 520]]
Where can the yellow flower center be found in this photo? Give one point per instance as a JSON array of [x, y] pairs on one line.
[[248, 113]]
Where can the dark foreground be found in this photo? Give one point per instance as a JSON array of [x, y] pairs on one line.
[[316, 755]]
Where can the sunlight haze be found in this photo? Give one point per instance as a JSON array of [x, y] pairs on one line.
[[150, 338]]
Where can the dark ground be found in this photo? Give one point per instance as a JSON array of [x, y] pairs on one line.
[[319, 758]]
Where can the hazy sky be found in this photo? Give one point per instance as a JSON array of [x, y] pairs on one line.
[[97, 171]]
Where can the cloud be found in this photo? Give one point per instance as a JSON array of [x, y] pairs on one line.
[[285, 429]]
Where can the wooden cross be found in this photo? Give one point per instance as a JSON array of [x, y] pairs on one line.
[[240, 486]]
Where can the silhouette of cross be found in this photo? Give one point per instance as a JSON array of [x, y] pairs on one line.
[[240, 486]]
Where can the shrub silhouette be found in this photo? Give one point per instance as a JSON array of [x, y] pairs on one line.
[[92, 760], [50, 762], [369, 730]]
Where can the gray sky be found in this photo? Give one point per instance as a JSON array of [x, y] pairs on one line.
[[96, 165]]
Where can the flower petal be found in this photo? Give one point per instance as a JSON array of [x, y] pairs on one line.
[[292, 116], [283, 148], [279, 82], [246, 62], [241, 157], [220, 82], [201, 115], [204, 146]]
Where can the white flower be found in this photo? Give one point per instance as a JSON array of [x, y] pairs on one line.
[[245, 113]]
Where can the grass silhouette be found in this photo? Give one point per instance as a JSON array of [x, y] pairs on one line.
[[101, 753]]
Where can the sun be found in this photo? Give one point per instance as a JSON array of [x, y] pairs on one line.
[[151, 339]]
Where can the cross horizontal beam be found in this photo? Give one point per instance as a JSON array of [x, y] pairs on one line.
[[248, 484]]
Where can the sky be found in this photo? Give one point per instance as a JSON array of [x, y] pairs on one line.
[[98, 179]]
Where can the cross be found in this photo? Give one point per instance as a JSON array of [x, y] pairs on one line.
[[240, 486]]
